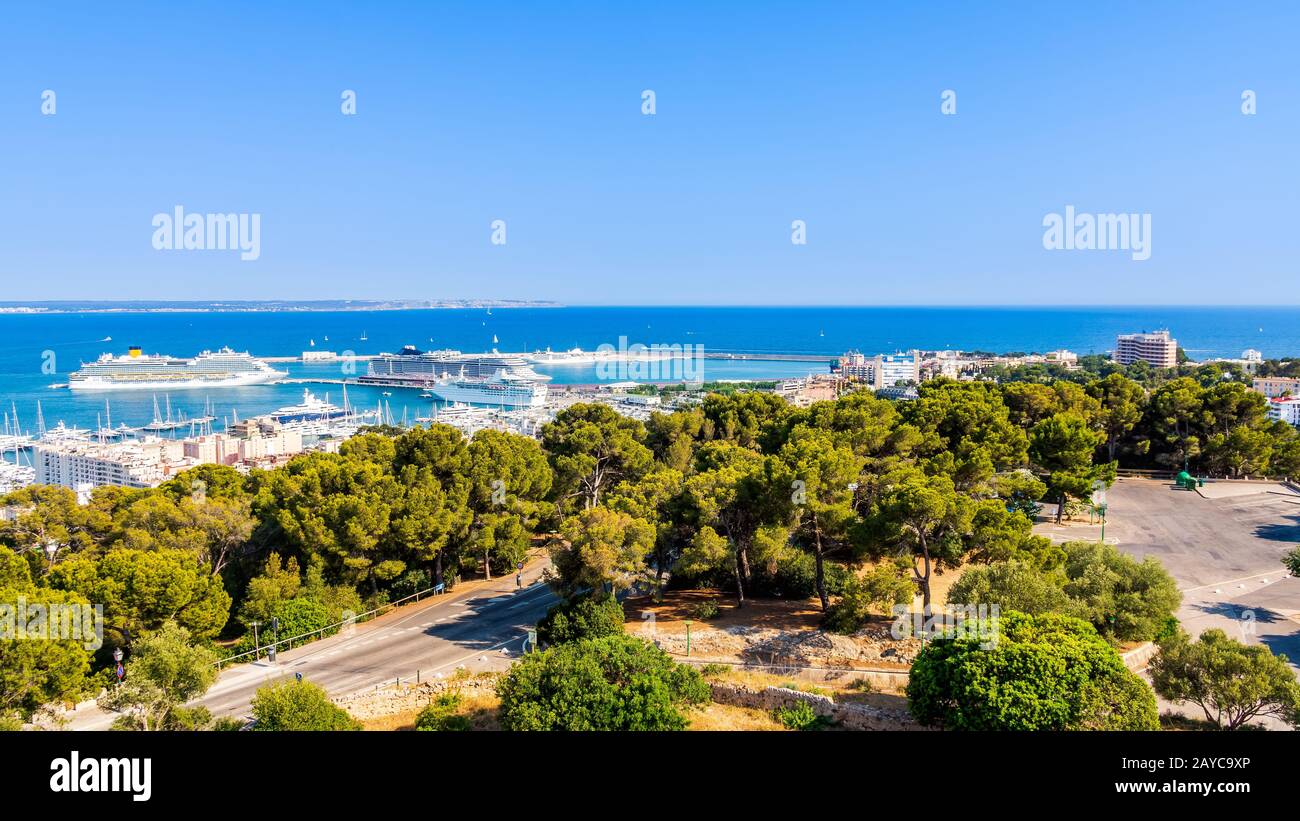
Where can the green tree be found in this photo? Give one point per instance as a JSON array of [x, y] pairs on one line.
[[1292, 561], [924, 518], [592, 448], [142, 590], [164, 671], [36, 672], [1122, 402], [297, 706], [510, 481], [337, 506], [612, 683], [599, 548], [1232, 683], [1011, 585], [48, 514], [433, 515], [823, 476], [1124, 599], [1063, 445], [730, 495], [1046, 672], [279, 581]]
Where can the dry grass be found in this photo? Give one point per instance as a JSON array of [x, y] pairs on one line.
[[481, 709], [722, 717]]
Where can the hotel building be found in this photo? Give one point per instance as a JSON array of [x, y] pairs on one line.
[[1155, 348]]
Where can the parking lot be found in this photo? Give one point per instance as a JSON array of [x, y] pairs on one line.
[[1225, 552]]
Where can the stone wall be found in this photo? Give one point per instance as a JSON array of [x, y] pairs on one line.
[[851, 715], [405, 698]]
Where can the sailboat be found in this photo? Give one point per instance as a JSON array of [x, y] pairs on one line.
[[364, 338], [494, 339]]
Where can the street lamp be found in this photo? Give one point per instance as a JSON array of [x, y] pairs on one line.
[[51, 548]]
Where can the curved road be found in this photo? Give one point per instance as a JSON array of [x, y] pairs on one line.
[[488, 621]]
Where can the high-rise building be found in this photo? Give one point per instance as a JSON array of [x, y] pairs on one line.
[[881, 370], [1155, 348]]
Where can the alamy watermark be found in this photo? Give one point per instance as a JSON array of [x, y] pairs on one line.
[[23, 621], [179, 231], [1075, 231], [649, 363]]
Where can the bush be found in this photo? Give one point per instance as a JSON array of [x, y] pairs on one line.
[[799, 716], [410, 583], [705, 610], [1124, 599], [297, 706], [583, 617], [880, 589], [715, 670], [442, 715], [1047, 672], [609, 683]]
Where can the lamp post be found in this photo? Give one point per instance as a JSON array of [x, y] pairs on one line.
[[257, 646], [688, 637]]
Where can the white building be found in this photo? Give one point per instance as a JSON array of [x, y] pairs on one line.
[[1155, 348], [1285, 409], [882, 370], [78, 464]]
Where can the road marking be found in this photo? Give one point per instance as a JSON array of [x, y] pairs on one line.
[[1232, 581]]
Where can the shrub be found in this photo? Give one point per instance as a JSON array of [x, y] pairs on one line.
[[880, 589], [799, 716], [583, 617], [1124, 599], [442, 715], [715, 670], [1046, 672], [297, 706], [410, 583], [705, 610], [609, 683]]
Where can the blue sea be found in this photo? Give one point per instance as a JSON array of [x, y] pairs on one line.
[[32, 344]]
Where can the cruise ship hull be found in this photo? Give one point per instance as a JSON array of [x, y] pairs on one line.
[[155, 384], [534, 396]]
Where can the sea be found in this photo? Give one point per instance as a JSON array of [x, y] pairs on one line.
[[39, 350]]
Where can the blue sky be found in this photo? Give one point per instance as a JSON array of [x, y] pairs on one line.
[[766, 113]]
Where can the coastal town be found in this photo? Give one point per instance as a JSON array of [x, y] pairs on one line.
[[148, 456]]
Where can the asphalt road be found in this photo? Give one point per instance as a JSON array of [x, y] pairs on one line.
[[470, 628], [1225, 553]]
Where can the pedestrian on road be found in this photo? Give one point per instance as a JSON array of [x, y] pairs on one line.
[[519, 579]]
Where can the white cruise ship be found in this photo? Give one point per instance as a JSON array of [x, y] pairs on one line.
[[504, 389], [137, 371]]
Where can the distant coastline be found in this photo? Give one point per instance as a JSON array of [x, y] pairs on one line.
[[258, 306]]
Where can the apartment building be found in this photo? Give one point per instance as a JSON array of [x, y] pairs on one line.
[[1274, 386], [1285, 409], [1156, 348]]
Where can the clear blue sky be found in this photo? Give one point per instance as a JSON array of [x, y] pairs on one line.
[[767, 112]]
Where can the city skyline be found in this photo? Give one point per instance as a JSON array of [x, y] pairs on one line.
[[838, 119]]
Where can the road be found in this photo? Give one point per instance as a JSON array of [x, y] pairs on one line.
[[472, 627]]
